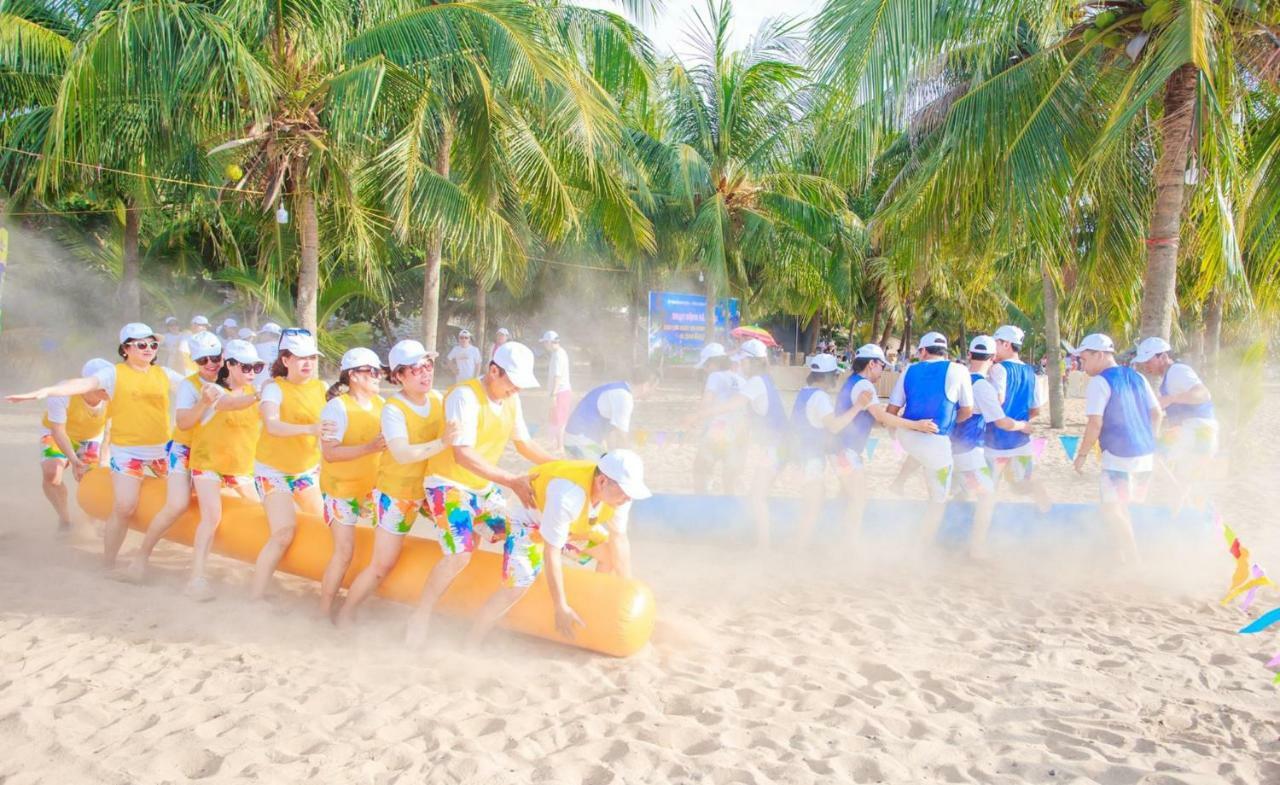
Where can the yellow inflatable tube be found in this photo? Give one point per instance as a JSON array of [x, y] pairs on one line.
[[619, 614]]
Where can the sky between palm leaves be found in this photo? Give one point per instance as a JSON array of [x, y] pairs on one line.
[[670, 30]]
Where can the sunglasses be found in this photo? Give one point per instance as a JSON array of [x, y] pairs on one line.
[[295, 331], [143, 344], [366, 369], [248, 367], [420, 368], [212, 360]]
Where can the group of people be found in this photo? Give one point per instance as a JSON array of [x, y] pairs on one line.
[[342, 451]]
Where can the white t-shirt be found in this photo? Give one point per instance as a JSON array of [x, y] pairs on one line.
[[467, 358], [986, 402], [1000, 381], [756, 394], [56, 410], [864, 386], [462, 407], [818, 407], [562, 507], [616, 406], [957, 386], [393, 423], [558, 370], [723, 385], [1180, 378], [271, 393], [1096, 396], [335, 411]]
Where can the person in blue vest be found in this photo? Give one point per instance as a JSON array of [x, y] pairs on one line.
[[1124, 415], [602, 419], [718, 421], [1009, 452], [1190, 435], [939, 390], [766, 432]]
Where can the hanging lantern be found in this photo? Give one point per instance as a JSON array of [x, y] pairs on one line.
[[282, 215]]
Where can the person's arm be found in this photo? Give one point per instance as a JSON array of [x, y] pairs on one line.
[[619, 542], [835, 423], [621, 407], [963, 413], [60, 438], [1192, 395], [404, 452], [1087, 442], [520, 484], [533, 452], [68, 387], [566, 618], [272, 424], [334, 452], [191, 416], [890, 419], [232, 402]]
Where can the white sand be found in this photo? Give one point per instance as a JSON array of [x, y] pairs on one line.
[[1040, 670]]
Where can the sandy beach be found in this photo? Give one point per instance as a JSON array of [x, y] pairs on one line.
[[1045, 667]]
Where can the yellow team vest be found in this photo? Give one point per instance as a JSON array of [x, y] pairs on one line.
[[355, 479], [139, 407], [181, 436], [580, 473], [493, 431], [301, 405], [226, 442], [404, 480], [83, 423]]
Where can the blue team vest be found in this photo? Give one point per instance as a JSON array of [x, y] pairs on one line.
[[854, 435], [968, 434], [1019, 393], [806, 440], [1178, 412], [926, 388], [770, 427], [586, 420], [1126, 422]]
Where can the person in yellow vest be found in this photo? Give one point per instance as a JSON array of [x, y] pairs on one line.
[[462, 486], [580, 512], [138, 407], [197, 395], [72, 436], [222, 453], [350, 450], [414, 430], [286, 468]]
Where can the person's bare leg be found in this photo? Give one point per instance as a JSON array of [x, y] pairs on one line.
[[344, 544], [855, 492], [438, 582], [124, 491], [282, 517], [177, 498], [1117, 515], [492, 612], [813, 495], [386, 552], [702, 466], [984, 507], [904, 473], [55, 490]]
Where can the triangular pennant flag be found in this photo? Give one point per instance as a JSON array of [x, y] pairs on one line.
[[872, 443], [898, 448], [642, 438], [1037, 446], [1262, 622], [1069, 445], [660, 438], [1275, 662], [1258, 575], [1247, 586]]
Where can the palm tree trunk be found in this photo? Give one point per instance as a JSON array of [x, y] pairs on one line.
[[1053, 347], [130, 290], [1212, 332], [875, 315], [482, 314], [709, 314], [1159, 282], [908, 315], [435, 248], [887, 331], [308, 250]]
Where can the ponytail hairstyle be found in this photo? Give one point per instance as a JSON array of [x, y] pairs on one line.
[[393, 374], [277, 368], [224, 375], [343, 385]]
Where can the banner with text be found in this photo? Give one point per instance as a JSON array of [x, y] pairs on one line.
[[677, 324]]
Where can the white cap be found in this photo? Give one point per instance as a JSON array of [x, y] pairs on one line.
[[928, 340], [517, 360], [824, 363], [1150, 347], [229, 322], [983, 344], [134, 331], [550, 335], [92, 367], [170, 320], [710, 352], [504, 331], [870, 351], [360, 357], [245, 333], [626, 469], [1010, 333], [299, 345], [1097, 342], [753, 348], [270, 327], [242, 352], [203, 345], [464, 333], [203, 321], [407, 352]]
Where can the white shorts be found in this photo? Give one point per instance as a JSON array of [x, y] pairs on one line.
[[971, 460], [1192, 438], [931, 450]]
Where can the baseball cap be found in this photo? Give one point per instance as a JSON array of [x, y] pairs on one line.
[[170, 320], [1150, 347], [983, 344], [626, 469], [229, 322], [504, 331], [136, 330], [407, 352], [753, 348], [929, 340], [710, 352], [245, 333], [360, 357], [299, 344], [203, 321], [464, 333], [241, 351], [550, 335], [1010, 333], [824, 363], [204, 345], [92, 367], [870, 351], [516, 360], [270, 327], [1096, 342]]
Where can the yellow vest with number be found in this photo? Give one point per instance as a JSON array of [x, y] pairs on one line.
[[139, 407], [493, 431], [181, 436], [580, 473], [404, 480], [83, 423], [300, 405], [355, 479], [226, 443]]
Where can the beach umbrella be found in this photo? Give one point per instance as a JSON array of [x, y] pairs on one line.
[[747, 332]]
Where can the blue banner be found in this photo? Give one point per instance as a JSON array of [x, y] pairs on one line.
[[677, 324]]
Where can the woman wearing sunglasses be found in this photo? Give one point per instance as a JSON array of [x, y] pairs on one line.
[[222, 453], [138, 407], [413, 427], [351, 446], [287, 464]]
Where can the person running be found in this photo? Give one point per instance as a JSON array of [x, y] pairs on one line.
[[939, 390], [1022, 398], [413, 430], [558, 388], [351, 448], [464, 358], [1124, 416], [721, 432], [229, 330], [602, 419], [812, 443], [138, 408], [767, 432], [462, 487], [1191, 427], [287, 460], [503, 335], [74, 427], [222, 454], [579, 513]]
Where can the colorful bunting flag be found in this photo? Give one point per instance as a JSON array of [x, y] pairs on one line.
[[872, 443], [1037, 446], [1261, 623], [1069, 445]]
